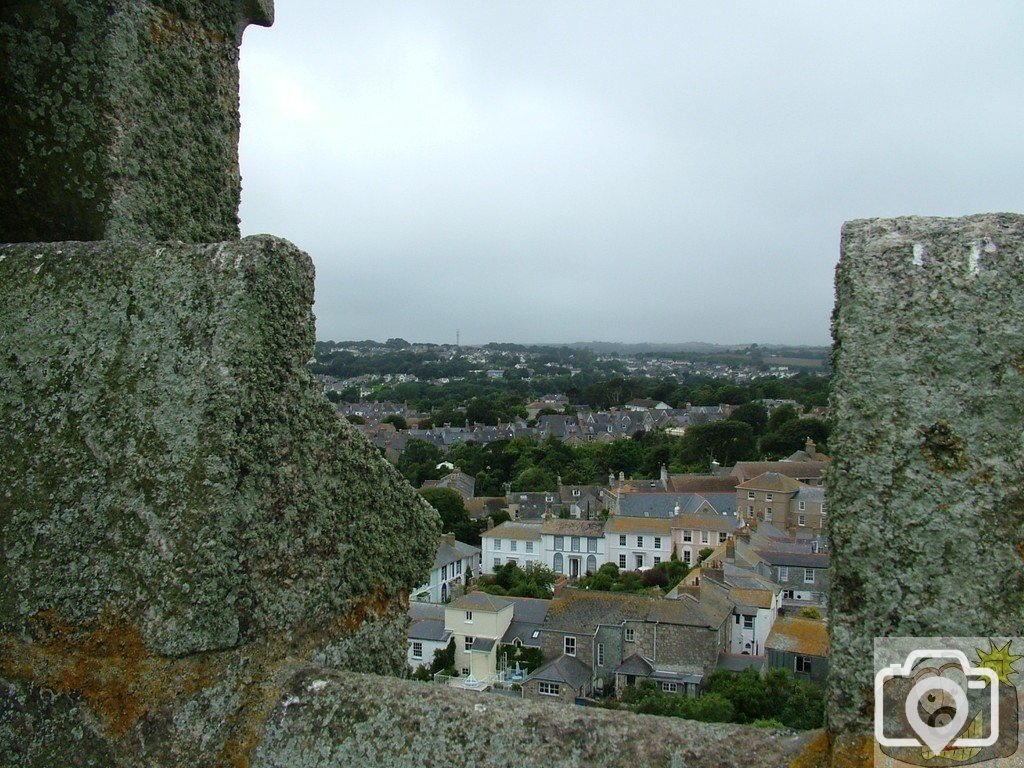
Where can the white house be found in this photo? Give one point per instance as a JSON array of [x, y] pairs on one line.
[[573, 547], [426, 634], [453, 561], [638, 543], [511, 542], [756, 602]]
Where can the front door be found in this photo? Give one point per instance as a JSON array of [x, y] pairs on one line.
[[574, 568]]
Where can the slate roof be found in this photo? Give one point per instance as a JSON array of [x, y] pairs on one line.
[[429, 629], [810, 493], [564, 669], [797, 559], [735, 662], [480, 601], [458, 481], [483, 644], [448, 553], [570, 527], [421, 610], [583, 611], [514, 530], [635, 665], [808, 637], [746, 470], [661, 504], [528, 614], [771, 481]]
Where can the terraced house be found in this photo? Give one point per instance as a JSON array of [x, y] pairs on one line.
[[573, 547], [674, 642], [511, 542]]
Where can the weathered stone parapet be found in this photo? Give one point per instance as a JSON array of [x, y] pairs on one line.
[[340, 719], [925, 489], [120, 118], [168, 462]]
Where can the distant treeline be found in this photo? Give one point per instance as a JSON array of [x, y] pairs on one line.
[[748, 434]]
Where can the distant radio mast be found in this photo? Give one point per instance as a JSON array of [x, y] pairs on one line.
[[456, 337]]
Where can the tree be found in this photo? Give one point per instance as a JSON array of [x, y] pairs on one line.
[[419, 461], [780, 416], [355, 418], [724, 441], [535, 479], [454, 517], [792, 436], [704, 554], [396, 419], [754, 414]]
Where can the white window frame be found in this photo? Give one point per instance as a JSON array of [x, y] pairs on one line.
[[622, 539], [559, 543], [417, 649], [657, 542], [512, 545], [769, 496], [657, 560], [687, 537], [750, 495], [544, 688], [497, 545], [801, 519], [802, 664], [639, 541], [469, 617], [569, 645], [722, 537], [669, 687], [783, 573], [622, 562], [467, 643], [748, 621], [574, 544], [497, 562], [591, 545], [600, 654], [705, 537], [529, 547], [465, 671], [808, 575], [630, 635], [802, 505]]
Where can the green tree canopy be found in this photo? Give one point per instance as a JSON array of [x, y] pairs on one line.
[[396, 419], [723, 441], [535, 479], [454, 517], [754, 414]]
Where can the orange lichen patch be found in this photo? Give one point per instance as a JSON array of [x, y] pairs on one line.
[[1020, 549], [816, 754], [272, 667], [852, 750], [831, 751], [105, 662], [799, 635]]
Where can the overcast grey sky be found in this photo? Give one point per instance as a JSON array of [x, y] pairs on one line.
[[641, 171]]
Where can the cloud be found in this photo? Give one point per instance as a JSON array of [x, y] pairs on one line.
[[657, 171]]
